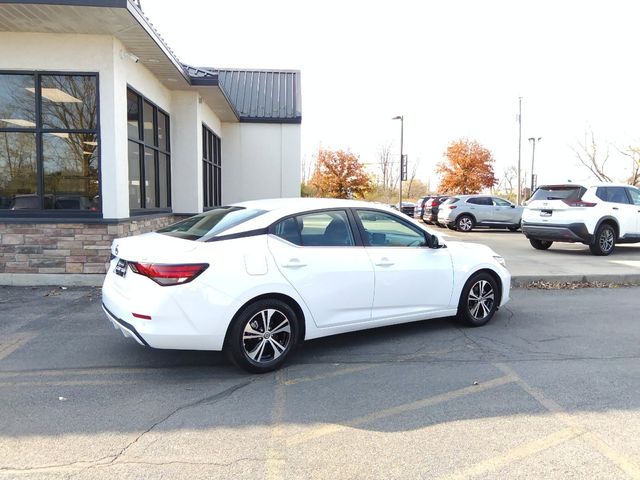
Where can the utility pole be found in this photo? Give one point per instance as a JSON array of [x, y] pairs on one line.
[[533, 141], [519, 149], [401, 118]]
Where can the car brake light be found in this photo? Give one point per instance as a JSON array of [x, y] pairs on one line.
[[166, 275], [451, 207], [579, 203]]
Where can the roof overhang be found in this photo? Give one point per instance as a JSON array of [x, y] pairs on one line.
[[123, 20]]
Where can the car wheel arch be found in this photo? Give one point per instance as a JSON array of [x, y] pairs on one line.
[[295, 306], [609, 221], [495, 276]]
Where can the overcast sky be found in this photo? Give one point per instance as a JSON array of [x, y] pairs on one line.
[[453, 68]]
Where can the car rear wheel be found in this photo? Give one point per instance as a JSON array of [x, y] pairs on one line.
[[515, 228], [604, 241], [464, 223], [262, 336], [540, 244], [479, 300]]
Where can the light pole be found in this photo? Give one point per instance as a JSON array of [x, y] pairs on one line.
[[519, 148], [401, 118], [533, 141]]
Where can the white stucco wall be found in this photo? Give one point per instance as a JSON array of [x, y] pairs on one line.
[[260, 160]]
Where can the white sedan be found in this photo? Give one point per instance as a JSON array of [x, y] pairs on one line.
[[257, 278]]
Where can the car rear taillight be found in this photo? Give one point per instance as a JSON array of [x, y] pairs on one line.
[[451, 207], [579, 203], [167, 275]]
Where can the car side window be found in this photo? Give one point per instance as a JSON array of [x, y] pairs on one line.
[[474, 201], [612, 194], [634, 193], [385, 230], [319, 229], [501, 203]]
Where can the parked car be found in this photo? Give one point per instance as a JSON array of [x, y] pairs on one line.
[[256, 278], [465, 212], [408, 208], [598, 215], [431, 209], [419, 211]]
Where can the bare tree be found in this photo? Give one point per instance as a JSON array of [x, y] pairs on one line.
[[386, 164], [591, 157], [633, 153], [414, 170]]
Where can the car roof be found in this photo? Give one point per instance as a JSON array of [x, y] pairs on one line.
[[276, 208]]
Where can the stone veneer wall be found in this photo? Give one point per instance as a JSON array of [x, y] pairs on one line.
[[66, 247]]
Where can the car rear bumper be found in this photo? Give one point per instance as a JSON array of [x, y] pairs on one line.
[[573, 232]]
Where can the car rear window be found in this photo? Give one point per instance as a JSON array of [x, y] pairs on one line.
[[211, 223], [450, 200], [558, 192]]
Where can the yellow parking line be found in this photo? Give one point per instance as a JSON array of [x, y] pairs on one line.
[[407, 407], [620, 460], [360, 368], [515, 454], [275, 462], [15, 342]]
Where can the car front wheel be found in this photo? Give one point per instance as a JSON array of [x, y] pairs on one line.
[[262, 336], [604, 241], [479, 300], [540, 244]]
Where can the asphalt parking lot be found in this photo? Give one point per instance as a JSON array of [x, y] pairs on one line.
[[549, 389], [562, 262]]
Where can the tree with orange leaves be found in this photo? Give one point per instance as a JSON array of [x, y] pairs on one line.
[[340, 174], [468, 168]]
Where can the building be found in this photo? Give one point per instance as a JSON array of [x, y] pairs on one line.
[[104, 133]]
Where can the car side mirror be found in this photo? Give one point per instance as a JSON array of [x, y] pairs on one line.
[[432, 241]]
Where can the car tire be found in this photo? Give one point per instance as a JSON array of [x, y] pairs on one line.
[[262, 336], [540, 244], [464, 223], [515, 228], [604, 241], [478, 301]]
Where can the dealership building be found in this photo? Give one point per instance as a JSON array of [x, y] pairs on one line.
[[105, 133]]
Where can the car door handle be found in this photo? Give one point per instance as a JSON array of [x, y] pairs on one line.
[[294, 263], [615, 208], [385, 262]]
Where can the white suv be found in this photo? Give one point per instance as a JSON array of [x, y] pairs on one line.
[[599, 215]]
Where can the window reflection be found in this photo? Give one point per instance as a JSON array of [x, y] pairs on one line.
[[133, 115], [17, 103], [134, 176], [69, 102], [150, 178], [70, 167], [18, 189]]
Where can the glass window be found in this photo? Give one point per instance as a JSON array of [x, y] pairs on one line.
[[135, 199], [559, 192], [50, 162], [480, 201], [385, 230], [612, 194], [149, 178], [323, 229], [149, 156], [133, 115], [17, 101], [149, 137], [69, 102], [211, 223], [500, 202], [634, 193], [211, 169], [18, 176], [70, 168]]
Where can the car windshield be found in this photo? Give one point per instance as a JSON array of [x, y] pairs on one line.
[[559, 192], [206, 225]]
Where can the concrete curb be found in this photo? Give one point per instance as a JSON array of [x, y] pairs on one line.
[[624, 278]]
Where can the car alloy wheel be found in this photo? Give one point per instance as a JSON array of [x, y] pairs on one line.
[[478, 301], [266, 336], [465, 223], [604, 241], [262, 336]]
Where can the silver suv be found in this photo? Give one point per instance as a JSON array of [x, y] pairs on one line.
[[464, 212]]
